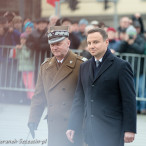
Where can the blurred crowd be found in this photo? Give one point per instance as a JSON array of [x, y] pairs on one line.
[[29, 36]]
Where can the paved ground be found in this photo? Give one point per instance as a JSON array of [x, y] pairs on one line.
[[13, 127]]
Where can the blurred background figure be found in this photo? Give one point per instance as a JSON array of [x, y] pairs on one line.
[[27, 19], [52, 20], [137, 26], [75, 26], [103, 26], [133, 43], [28, 27], [73, 37], [113, 42], [83, 46], [38, 42], [137, 18], [82, 24], [17, 23], [25, 57], [95, 23], [124, 23]]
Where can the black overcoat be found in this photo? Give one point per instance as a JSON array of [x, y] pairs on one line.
[[105, 105]]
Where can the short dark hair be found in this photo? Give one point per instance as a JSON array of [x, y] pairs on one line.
[[66, 19], [101, 31]]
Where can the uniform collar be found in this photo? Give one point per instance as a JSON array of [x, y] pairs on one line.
[[69, 61]]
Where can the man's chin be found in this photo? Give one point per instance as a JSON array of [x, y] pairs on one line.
[[93, 54]]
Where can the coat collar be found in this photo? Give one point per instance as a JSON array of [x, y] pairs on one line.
[[69, 61], [65, 69]]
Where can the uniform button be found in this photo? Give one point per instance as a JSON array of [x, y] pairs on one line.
[[92, 116], [93, 85], [63, 89], [92, 100]]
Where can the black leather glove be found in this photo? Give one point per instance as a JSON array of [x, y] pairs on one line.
[[32, 127]]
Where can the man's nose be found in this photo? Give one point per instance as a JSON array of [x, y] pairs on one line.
[[92, 46], [54, 46]]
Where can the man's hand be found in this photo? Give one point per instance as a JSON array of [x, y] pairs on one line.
[[129, 137], [70, 135], [32, 128]]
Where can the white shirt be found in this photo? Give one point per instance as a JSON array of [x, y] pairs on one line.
[[60, 61]]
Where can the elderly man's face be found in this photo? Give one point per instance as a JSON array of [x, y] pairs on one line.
[[60, 49]]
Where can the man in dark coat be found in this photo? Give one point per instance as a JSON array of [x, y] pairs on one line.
[[55, 87], [38, 42], [105, 98]]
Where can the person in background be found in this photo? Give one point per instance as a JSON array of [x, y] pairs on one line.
[[113, 42], [83, 46], [38, 42], [133, 43], [75, 26], [137, 17], [137, 26], [28, 27], [95, 23], [55, 88], [10, 38], [25, 58], [27, 19], [102, 25], [82, 24], [17, 23], [124, 23], [52, 20], [73, 37]]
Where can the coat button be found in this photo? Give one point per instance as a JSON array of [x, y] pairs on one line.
[[92, 100], [92, 116], [63, 103], [65, 119], [93, 85], [63, 89]]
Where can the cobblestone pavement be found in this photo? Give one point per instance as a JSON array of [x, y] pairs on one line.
[[13, 128]]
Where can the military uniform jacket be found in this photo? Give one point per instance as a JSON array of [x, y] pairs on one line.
[[56, 87]]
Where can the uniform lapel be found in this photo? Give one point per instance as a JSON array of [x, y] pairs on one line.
[[51, 69], [107, 63], [65, 69]]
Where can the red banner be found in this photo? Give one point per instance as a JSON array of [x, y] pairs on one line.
[[52, 2]]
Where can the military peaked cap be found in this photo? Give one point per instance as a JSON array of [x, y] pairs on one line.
[[57, 34]]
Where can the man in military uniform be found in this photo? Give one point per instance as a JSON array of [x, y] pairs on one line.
[[55, 87]]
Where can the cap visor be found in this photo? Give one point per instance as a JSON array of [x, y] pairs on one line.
[[56, 40]]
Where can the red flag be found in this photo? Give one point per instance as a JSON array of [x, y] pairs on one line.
[[52, 2]]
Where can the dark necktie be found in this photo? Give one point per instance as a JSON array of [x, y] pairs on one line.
[[97, 68], [97, 63]]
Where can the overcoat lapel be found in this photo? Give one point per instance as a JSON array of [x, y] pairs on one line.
[[65, 69], [107, 63], [91, 70]]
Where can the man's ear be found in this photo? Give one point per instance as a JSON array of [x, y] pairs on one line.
[[107, 41], [68, 42]]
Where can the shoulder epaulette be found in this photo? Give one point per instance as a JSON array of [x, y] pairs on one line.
[[46, 60], [82, 58]]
